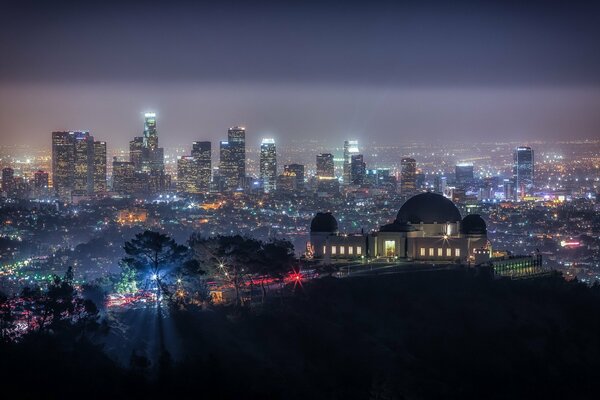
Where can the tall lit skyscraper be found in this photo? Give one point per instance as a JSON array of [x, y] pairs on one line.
[[99, 167], [523, 171], [150, 133], [350, 149], [236, 138], [63, 159], [83, 177], [298, 171], [357, 169], [268, 164], [232, 162], [227, 167], [408, 175], [201, 151], [325, 166], [78, 164]]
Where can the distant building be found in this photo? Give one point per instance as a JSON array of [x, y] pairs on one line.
[[40, 183], [78, 164], [523, 171], [202, 152], [188, 172], [123, 177], [99, 168], [408, 175], [357, 169], [325, 166], [8, 180], [463, 173], [298, 171], [350, 149], [268, 164], [136, 152], [287, 182]]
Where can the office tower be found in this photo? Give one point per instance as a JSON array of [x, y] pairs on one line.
[[298, 171], [408, 175], [463, 173], [150, 132], [325, 167], [350, 149], [153, 160], [268, 164], [187, 175], [8, 180], [523, 171], [78, 164], [123, 178], [99, 167], [357, 169], [136, 152], [63, 158], [236, 137], [40, 183], [509, 189], [201, 151], [227, 168], [83, 164]]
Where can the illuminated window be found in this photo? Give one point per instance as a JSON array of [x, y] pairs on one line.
[[440, 252], [431, 252], [448, 252], [350, 250], [333, 250], [324, 249], [359, 250], [390, 248], [457, 252], [422, 251], [342, 250]]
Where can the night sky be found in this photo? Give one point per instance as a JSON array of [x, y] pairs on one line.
[[379, 72]]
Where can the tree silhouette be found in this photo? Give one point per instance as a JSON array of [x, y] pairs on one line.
[[153, 253]]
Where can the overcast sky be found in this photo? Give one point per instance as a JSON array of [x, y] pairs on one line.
[[384, 72]]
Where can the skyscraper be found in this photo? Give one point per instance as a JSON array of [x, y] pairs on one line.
[[150, 132], [123, 178], [227, 167], [83, 164], [78, 164], [99, 167], [268, 164], [350, 149], [325, 166], [63, 158], [187, 175], [357, 169], [136, 152], [523, 171], [201, 151], [298, 171], [236, 138], [408, 175]]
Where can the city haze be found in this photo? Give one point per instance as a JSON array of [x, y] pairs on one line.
[[383, 73]]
